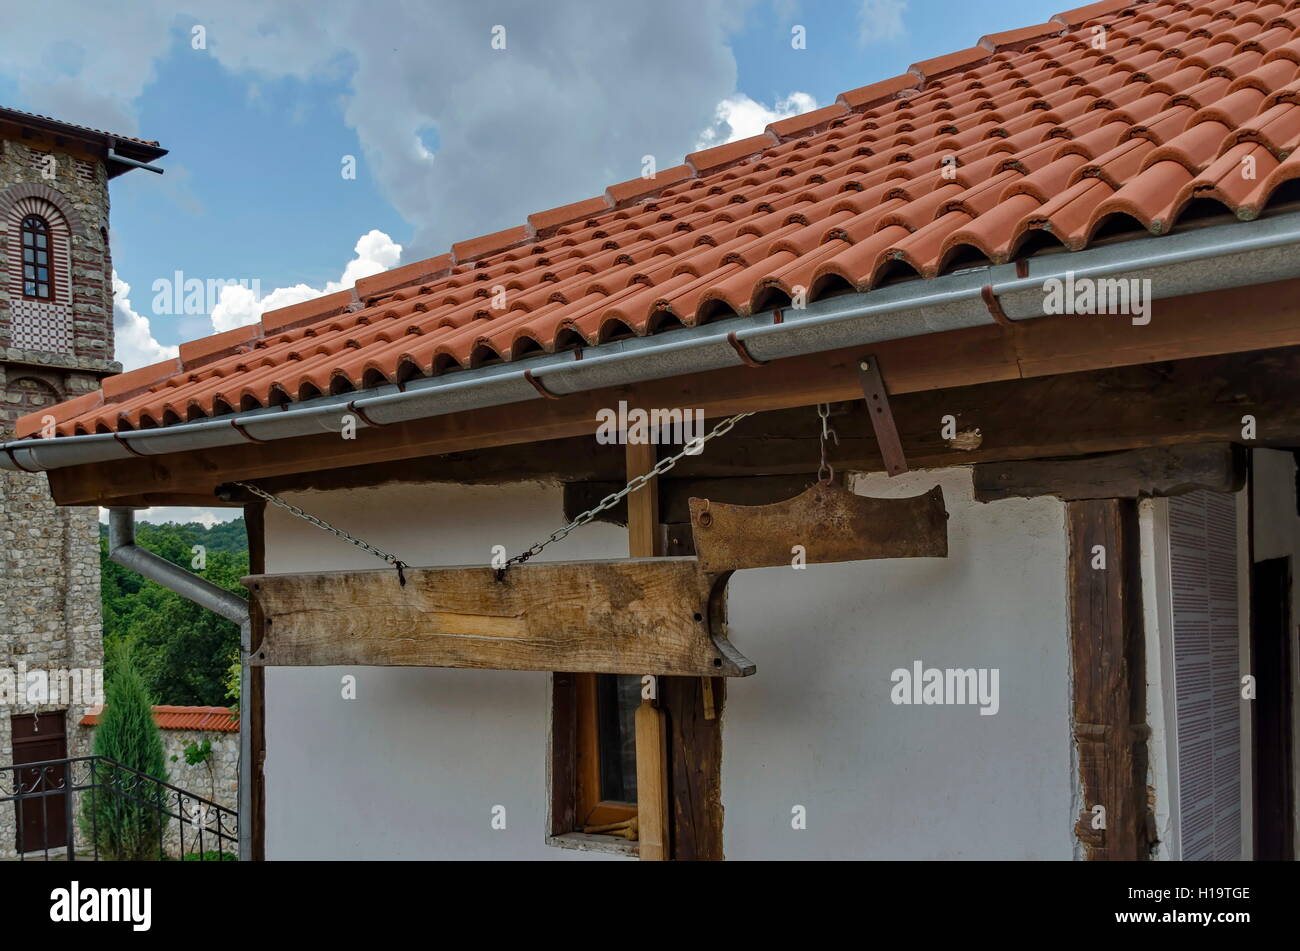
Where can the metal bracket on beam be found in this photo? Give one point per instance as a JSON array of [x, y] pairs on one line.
[[882, 419]]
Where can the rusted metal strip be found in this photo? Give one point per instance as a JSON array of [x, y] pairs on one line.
[[537, 385], [743, 352], [882, 420], [994, 305]]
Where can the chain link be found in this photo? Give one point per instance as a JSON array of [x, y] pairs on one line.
[[826, 472], [326, 526], [663, 465], [608, 502]]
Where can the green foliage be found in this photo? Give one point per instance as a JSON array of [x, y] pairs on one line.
[[183, 650], [233, 673], [196, 753], [211, 855], [121, 815]]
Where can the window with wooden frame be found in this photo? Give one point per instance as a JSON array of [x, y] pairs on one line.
[[594, 753], [37, 283]]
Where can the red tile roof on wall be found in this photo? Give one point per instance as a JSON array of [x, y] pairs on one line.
[[214, 719], [1053, 139]]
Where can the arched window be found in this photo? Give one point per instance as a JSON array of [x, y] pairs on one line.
[[36, 258]]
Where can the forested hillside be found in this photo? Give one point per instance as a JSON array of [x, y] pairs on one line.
[[185, 651]]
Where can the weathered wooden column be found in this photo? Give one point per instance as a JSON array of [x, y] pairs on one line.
[[1107, 636], [1109, 677], [651, 730], [684, 725]]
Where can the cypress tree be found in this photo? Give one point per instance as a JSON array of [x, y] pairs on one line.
[[122, 814]]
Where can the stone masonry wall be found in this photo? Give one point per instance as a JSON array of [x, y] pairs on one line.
[[49, 556]]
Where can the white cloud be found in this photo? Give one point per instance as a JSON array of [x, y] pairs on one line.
[[739, 117], [578, 96], [881, 21], [239, 305], [134, 343]]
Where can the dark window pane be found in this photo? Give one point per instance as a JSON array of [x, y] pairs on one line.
[[42, 274], [29, 270], [29, 239], [42, 258], [40, 240], [617, 697], [29, 289], [28, 255]]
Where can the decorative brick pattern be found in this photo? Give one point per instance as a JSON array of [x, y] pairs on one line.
[[38, 325]]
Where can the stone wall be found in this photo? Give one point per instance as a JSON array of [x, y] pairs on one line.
[[49, 556], [216, 779]]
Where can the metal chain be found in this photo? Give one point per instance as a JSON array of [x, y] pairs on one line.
[[663, 465], [824, 411], [322, 524], [691, 448]]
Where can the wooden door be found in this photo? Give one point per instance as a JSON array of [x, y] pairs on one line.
[[42, 822]]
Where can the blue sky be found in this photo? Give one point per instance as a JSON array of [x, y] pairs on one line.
[[452, 138]]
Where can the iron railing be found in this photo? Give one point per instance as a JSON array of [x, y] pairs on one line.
[[101, 804]]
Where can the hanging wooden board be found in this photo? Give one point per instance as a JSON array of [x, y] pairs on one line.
[[830, 523], [640, 616]]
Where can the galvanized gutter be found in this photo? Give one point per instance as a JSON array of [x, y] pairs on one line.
[[123, 550], [1218, 257]]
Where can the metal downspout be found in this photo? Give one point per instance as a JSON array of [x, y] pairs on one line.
[[123, 550]]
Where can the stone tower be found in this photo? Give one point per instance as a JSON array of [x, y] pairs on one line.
[[56, 343]]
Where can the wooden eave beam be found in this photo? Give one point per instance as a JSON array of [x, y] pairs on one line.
[[1262, 316]]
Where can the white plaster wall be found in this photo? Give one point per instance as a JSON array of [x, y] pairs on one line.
[[1277, 535], [816, 726], [412, 768]]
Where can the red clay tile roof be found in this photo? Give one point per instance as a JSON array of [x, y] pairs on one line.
[[216, 719], [1035, 138]]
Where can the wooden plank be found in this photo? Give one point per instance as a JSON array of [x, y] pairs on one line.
[[830, 524], [1264, 316], [1138, 473], [651, 784], [619, 617], [1109, 674]]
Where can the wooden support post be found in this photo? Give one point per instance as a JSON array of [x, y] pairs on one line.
[[643, 504], [1109, 673], [651, 737], [254, 706]]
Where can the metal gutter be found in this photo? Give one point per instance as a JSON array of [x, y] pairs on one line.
[[1236, 254], [123, 550], [115, 157]]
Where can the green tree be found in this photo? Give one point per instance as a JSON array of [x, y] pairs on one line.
[[183, 649], [122, 815]]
